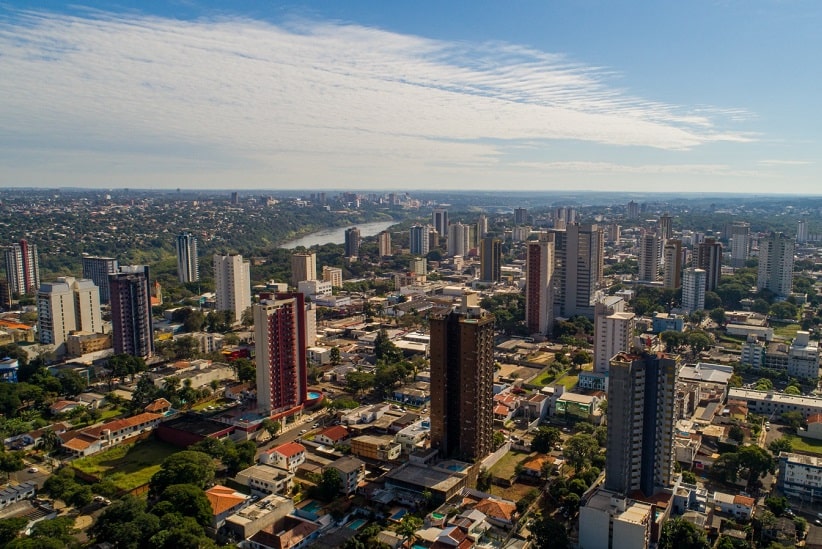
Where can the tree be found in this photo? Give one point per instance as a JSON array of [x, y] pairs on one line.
[[246, 370], [545, 439], [712, 301], [186, 499], [580, 357], [384, 348], [782, 444], [126, 524], [272, 426], [793, 419], [678, 533], [71, 382], [335, 356], [699, 341], [484, 479], [186, 467], [59, 528], [547, 533], [672, 339], [10, 528], [357, 381], [736, 433], [579, 449], [409, 525], [776, 505], [498, 439], [718, 315], [330, 484], [11, 462], [689, 477], [784, 309], [757, 461], [144, 393]]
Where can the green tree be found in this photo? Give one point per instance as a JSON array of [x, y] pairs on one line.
[[793, 419], [272, 426], [579, 449], [678, 533], [335, 355], [188, 500], [10, 528], [545, 439], [547, 533], [246, 369], [71, 382], [776, 505], [357, 382], [718, 316], [782, 444], [126, 524], [757, 461], [11, 462], [699, 341], [409, 525], [689, 477], [186, 467], [736, 433]]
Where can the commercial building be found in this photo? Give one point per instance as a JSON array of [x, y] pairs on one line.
[[578, 265], [188, 264], [439, 219], [776, 264], [22, 268], [539, 285], [694, 282], [613, 331], [641, 404], [490, 259], [280, 346], [232, 284], [352, 242], [304, 267], [131, 319], [768, 403], [462, 379], [709, 259]]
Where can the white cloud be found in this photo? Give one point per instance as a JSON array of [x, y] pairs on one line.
[[774, 162], [309, 101]]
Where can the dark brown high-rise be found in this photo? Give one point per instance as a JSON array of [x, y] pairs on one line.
[[462, 381], [709, 259]]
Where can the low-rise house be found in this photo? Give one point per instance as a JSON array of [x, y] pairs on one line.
[[268, 511], [92, 400], [19, 492], [413, 437], [377, 448], [351, 471], [224, 502], [286, 456], [332, 436], [159, 406], [736, 505], [293, 533], [65, 406], [266, 479], [90, 440]]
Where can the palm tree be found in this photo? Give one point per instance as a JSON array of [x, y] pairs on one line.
[[49, 441]]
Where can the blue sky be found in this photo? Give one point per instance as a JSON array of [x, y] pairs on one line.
[[699, 96]]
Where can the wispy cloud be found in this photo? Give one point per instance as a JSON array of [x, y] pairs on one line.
[[308, 101], [774, 162]]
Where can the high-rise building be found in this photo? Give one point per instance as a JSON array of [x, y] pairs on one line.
[[482, 226], [490, 259], [740, 243], [418, 240], [641, 401], [613, 331], [333, 275], [709, 259], [632, 209], [303, 267], [418, 266], [384, 243], [280, 353], [613, 233], [539, 285], [458, 243], [672, 270], [439, 219], [97, 270], [65, 306], [352, 242], [188, 264], [232, 284], [666, 227], [648, 257], [578, 265], [776, 264], [802, 231], [5, 295], [693, 289], [131, 321], [23, 268], [520, 216], [462, 381]]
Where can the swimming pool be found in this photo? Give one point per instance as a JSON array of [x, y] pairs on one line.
[[398, 515], [356, 524], [311, 507], [312, 395]]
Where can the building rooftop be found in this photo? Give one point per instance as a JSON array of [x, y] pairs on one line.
[[427, 477]]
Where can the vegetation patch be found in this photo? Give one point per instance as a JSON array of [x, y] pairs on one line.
[[127, 466], [805, 445], [506, 467], [569, 381], [544, 378], [786, 331]]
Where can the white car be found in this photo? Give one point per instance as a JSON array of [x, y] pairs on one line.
[[34, 470]]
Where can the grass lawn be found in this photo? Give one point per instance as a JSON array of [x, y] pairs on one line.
[[540, 358], [786, 331], [515, 493], [807, 445], [111, 413], [569, 381], [128, 466], [504, 468], [543, 379]]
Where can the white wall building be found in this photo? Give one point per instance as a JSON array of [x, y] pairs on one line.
[[613, 331], [609, 521], [232, 281], [693, 289]]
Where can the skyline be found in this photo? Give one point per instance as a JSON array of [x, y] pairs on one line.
[[572, 96]]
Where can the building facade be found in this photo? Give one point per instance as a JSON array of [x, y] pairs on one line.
[[458, 239], [232, 284], [490, 259], [333, 275], [694, 282], [353, 239], [672, 264], [539, 286], [131, 319], [188, 264], [709, 259], [304, 267], [439, 219], [280, 346], [462, 379], [578, 266], [22, 268], [613, 331], [418, 239], [776, 255], [649, 254], [641, 404], [740, 234]]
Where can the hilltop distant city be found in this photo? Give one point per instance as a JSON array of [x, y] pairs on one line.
[[409, 369]]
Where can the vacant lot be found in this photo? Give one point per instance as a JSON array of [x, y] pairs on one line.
[[127, 466], [785, 331], [806, 445], [569, 381], [505, 467]]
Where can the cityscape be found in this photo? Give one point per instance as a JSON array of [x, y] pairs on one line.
[[451, 370], [410, 275]]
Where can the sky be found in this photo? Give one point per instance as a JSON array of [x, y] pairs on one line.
[[699, 96]]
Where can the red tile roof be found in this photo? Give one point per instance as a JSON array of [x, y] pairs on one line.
[[223, 498], [743, 500], [289, 449], [335, 433]]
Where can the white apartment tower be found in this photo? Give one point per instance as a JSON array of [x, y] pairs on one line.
[[458, 239], [740, 243], [232, 281], [613, 331], [384, 243], [66, 306], [776, 264], [648, 257], [578, 265], [693, 289], [188, 264], [418, 239]]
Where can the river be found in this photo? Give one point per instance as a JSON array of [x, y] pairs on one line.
[[337, 236]]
